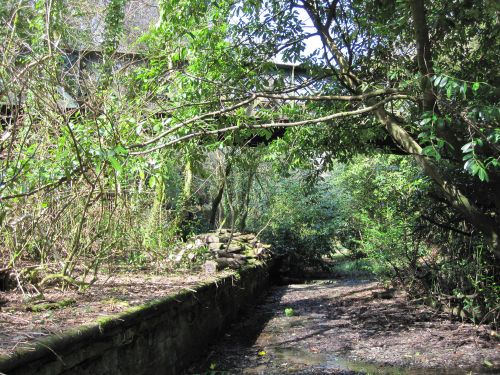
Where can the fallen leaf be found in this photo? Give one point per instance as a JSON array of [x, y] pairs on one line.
[[488, 363]]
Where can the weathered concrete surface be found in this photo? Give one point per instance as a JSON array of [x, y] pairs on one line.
[[162, 337]]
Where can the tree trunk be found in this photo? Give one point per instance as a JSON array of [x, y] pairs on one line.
[[452, 194], [246, 199], [424, 57], [182, 216], [220, 194], [425, 67]]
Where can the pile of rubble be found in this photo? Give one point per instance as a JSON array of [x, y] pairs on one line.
[[227, 249]]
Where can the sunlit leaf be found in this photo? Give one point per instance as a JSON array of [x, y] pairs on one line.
[[115, 164]]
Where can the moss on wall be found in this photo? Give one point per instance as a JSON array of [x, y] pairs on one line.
[[160, 337]]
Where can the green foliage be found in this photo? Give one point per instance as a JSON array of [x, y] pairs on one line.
[[115, 14], [41, 307], [391, 210], [112, 164], [289, 312], [302, 219]]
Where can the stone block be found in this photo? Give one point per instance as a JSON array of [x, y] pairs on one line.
[[212, 238], [234, 247], [214, 246]]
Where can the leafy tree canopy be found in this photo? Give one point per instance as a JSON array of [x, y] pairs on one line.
[[411, 77]]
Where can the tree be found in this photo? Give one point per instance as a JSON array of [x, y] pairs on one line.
[[384, 71], [409, 77]]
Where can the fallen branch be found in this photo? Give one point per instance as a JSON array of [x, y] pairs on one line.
[[60, 276]]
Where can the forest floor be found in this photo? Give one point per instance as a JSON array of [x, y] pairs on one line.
[[349, 326], [343, 326], [26, 318]]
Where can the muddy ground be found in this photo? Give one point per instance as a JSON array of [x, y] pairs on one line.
[[349, 327]]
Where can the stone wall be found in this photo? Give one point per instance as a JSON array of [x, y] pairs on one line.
[[162, 337]]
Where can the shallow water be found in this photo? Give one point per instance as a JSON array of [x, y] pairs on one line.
[[320, 361], [331, 320]]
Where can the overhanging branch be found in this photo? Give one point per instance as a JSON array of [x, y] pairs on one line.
[[312, 121]]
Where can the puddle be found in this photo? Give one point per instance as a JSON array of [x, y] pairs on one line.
[[291, 359], [336, 321]]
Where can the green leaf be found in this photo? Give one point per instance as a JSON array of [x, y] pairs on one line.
[[422, 135], [493, 162], [289, 312], [425, 121], [120, 150], [142, 174], [468, 147], [483, 175], [463, 89], [432, 152], [115, 164], [488, 363], [449, 92], [476, 86], [474, 167]]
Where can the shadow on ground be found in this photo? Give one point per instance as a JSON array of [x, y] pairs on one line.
[[345, 327]]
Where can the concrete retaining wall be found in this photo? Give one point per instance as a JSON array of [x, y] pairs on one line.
[[162, 337]]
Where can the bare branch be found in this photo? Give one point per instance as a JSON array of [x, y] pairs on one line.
[[271, 125], [190, 121], [347, 98]]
